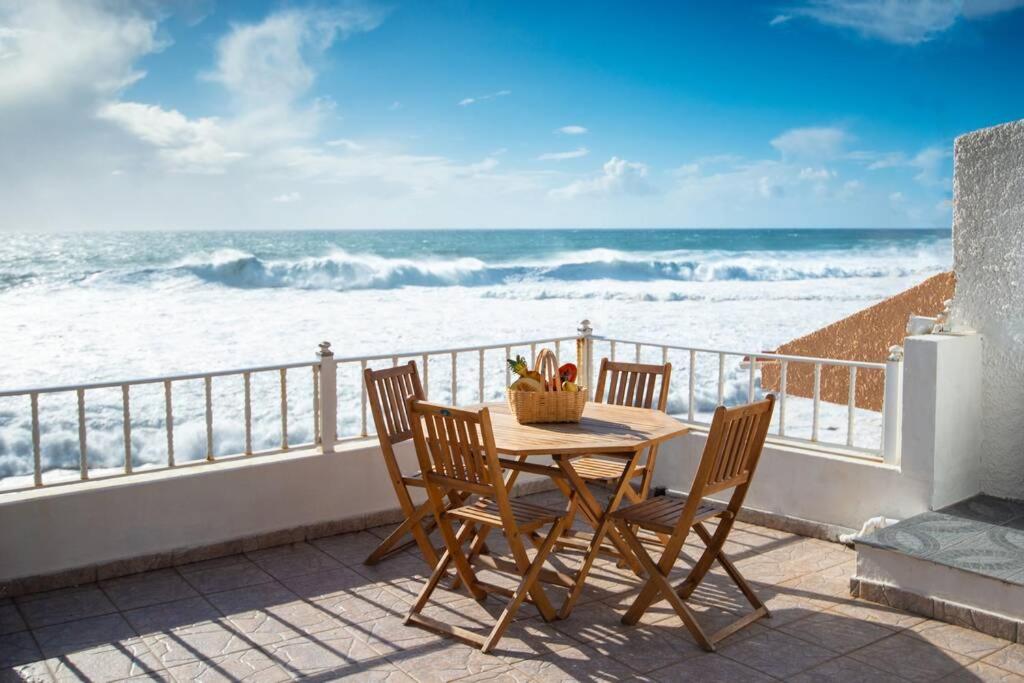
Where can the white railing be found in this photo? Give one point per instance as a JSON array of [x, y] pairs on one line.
[[888, 437], [327, 410]]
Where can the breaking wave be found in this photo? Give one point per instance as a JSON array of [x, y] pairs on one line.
[[341, 270]]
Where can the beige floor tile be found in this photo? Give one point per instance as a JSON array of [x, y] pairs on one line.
[[66, 604], [879, 614], [957, 639], [837, 632], [845, 670], [244, 665], [980, 671], [709, 668], [775, 653], [910, 657], [1010, 658], [297, 559], [149, 588], [574, 664]]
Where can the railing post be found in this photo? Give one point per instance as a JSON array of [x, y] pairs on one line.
[[892, 407], [585, 355], [328, 397]]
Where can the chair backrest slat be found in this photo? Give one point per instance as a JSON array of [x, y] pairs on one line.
[[732, 451], [633, 384], [458, 445], [386, 391]]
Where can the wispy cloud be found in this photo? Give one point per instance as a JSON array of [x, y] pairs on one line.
[[561, 156], [780, 19], [904, 22], [350, 145], [287, 198], [814, 143], [617, 177], [483, 98], [572, 130]]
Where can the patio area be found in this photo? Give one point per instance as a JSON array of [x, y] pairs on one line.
[[313, 610]]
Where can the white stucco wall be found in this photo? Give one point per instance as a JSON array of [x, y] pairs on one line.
[[988, 256]]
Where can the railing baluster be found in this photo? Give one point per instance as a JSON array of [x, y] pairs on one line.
[[508, 370], [750, 386], [83, 457], [481, 368], [664, 355], [852, 407], [364, 398], [817, 401], [611, 349], [169, 422], [455, 379], [208, 391], [558, 350], [691, 408], [533, 353], [721, 378], [126, 416], [637, 353], [247, 379], [426, 376], [284, 409], [782, 398], [394, 361], [37, 458], [316, 404]]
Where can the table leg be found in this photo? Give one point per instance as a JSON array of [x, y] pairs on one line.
[[592, 508]]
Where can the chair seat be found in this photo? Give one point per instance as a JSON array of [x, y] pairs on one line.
[[600, 469], [661, 513], [485, 511]]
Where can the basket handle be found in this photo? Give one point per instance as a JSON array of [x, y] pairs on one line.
[[547, 365]]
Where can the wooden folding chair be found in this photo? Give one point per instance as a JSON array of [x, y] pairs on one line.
[[457, 455], [730, 457], [386, 392]]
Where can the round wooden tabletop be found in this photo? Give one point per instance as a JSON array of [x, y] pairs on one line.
[[603, 429]]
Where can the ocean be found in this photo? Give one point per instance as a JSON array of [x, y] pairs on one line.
[[77, 308]]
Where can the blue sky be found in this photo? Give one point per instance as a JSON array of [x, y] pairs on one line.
[[239, 115]]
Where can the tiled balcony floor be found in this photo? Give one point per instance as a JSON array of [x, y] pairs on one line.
[[314, 610]]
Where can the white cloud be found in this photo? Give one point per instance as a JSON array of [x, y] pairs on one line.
[[780, 19], [816, 143], [618, 177], [896, 197], [287, 198], [267, 62], [904, 22], [465, 102], [931, 163], [572, 130], [51, 50], [561, 156], [350, 145], [810, 173]]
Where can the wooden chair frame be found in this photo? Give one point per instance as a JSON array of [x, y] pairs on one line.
[[386, 392], [457, 455], [731, 454]]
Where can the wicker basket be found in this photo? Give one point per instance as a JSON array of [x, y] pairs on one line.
[[530, 407], [547, 406]]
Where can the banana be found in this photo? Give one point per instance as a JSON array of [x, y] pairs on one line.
[[527, 384]]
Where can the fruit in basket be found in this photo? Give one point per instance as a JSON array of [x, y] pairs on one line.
[[519, 366], [570, 386], [527, 384], [567, 373]]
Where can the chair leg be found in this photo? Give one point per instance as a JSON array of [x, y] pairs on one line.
[[728, 566], [454, 545], [660, 585], [528, 585], [411, 525], [540, 598], [581, 575]]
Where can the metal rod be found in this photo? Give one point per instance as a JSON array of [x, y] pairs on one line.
[[721, 378], [692, 395], [284, 410], [169, 423], [455, 379], [208, 390], [750, 385], [127, 417], [782, 398], [37, 458], [83, 457], [247, 378], [481, 369], [316, 404], [817, 401], [851, 407], [364, 398]]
